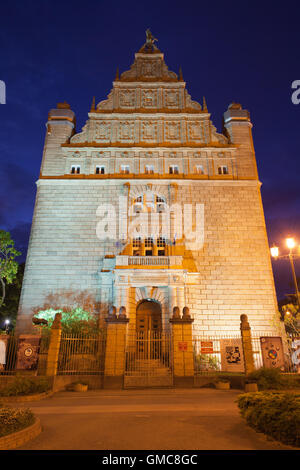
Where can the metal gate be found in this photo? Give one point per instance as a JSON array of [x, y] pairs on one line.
[[148, 359]]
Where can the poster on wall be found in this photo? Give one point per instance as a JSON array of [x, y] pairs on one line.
[[272, 352], [232, 357], [28, 352], [296, 354], [3, 350]]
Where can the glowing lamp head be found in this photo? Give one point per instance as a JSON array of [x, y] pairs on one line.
[[275, 251], [7, 322], [290, 243]]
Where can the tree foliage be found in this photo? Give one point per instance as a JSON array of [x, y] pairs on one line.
[[8, 264]]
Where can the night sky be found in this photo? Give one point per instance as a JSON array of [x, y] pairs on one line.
[[52, 51]]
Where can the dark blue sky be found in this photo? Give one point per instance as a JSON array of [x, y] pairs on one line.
[[242, 51]]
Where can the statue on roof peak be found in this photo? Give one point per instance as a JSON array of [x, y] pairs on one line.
[[149, 38]]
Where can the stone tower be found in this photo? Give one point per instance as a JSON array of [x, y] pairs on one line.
[[149, 207]]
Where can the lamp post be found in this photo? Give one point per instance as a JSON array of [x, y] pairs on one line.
[[6, 326], [290, 243]]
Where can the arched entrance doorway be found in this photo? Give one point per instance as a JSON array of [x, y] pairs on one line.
[[148, 317]]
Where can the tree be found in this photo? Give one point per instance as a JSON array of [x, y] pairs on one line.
[[291, 317], [13, 291], [8, 265]]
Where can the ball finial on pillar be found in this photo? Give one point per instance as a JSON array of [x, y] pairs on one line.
[[176, 312], [122, 312], [112, 312], [186, 313]]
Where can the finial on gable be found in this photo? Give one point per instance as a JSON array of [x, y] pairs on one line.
[[93, 105], [180, 74], [204, 108], [117, 74]]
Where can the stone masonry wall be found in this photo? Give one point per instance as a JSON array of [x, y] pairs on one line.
[[235, 274]]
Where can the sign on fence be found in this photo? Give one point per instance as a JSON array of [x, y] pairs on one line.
[[28, 352], [232, 357], [182, 346], [207, 347], [272, 352]]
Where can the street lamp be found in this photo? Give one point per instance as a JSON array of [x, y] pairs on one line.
[[290, 243], [7, 322]]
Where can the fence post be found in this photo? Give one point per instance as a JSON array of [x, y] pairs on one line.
[[247, 345], [54, 346], [183, 355], [115, 349]]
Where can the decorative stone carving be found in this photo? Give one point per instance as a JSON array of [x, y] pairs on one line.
[[103, 130], [149, 130], [126, 130], [171, 98], [127, 98], [195, 131], [148, 98], [172, 130]]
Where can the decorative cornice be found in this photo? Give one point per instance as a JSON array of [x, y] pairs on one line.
[[148, 145]]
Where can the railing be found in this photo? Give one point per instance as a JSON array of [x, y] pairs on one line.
[[208, 352], [148, 260], [81, 354], [290, 365], [10, 351]]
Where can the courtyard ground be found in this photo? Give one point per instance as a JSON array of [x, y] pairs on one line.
[[157, 419]]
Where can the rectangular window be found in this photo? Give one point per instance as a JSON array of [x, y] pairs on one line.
[[148, 242], [100, 170], [125, 169], [75, 169], [136, 246], [199, 170], [223, 170], [149, 169], [173, 170]]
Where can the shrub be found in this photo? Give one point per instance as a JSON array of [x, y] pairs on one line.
[[14, 419], [267, 379], [274, 413], [273, 379], [25, 386]]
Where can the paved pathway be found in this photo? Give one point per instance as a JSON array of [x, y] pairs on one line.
[[203, 419]]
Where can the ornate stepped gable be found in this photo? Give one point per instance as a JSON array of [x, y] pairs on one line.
[[129, 116]]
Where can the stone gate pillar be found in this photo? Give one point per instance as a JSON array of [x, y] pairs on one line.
[[183, 355], [247, 345], [53, 351], [115, 348]]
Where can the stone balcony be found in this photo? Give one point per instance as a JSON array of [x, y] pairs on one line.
[[140, 261]]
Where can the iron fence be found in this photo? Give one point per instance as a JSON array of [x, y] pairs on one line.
[[289, 351], [149, 359], [9, 353], [208, 355], [81, 354]]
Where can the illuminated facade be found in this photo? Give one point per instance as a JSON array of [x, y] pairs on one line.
[[149, 207]]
